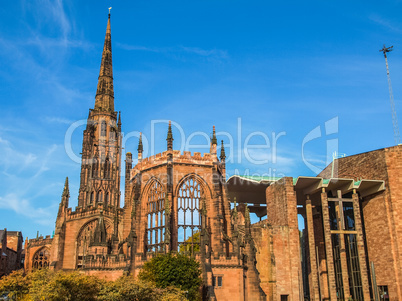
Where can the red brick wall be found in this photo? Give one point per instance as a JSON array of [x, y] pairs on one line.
[[382, 212], [13, 242]]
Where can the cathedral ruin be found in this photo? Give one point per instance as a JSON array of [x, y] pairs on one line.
[[183, 202]]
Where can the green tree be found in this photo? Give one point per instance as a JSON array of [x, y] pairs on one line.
[[16, 284], [192, 244], [176, 270], [73, 286], [127, 288]]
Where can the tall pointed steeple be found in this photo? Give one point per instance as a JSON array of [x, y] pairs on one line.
[[140, 146], [100, 179], [169, 138], [213, 139], [104, 99], [223, 155], [66, 191], [65, 197], [119, 122], [214, 143]]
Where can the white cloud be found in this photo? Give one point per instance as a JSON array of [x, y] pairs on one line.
[[386, 23], [23, 206], [10, 156], [217, 53], [59, 120]]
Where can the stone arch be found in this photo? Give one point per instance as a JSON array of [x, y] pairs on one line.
[[41, 259], [148, 185], [207, 190], [84, 238], [107, 221]]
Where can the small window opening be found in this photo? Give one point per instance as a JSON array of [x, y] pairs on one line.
[[383, 292], [217, 281]]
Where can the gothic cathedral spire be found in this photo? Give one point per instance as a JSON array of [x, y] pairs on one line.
[[169, 138], [101, 146], [104, 99]]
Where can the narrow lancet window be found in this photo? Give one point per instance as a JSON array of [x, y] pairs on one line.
[[100, 197], [94, 167], [106, 199], [103, 129]]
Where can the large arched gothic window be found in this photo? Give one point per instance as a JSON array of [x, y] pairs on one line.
[[188, 216], [41, 259], [156, 216]]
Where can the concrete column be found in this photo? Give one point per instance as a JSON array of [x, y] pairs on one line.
[[314, 288], [328, 247], [360, 246]]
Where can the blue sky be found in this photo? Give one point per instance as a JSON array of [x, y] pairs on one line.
[[276, 68]]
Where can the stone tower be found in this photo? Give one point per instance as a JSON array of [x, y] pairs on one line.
[[101, 147], [88, 237]]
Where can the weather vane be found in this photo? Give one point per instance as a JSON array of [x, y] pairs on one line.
[[110, 9]]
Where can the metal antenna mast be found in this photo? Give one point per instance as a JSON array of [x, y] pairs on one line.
[[397, 136]]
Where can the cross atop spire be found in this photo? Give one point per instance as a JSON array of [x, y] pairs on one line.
[[104, 99]]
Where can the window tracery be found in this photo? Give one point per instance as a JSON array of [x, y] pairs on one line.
[[41, 259], [156, 216], [188, 216]]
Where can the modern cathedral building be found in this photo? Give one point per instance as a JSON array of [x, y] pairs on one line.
[[351, 247]]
